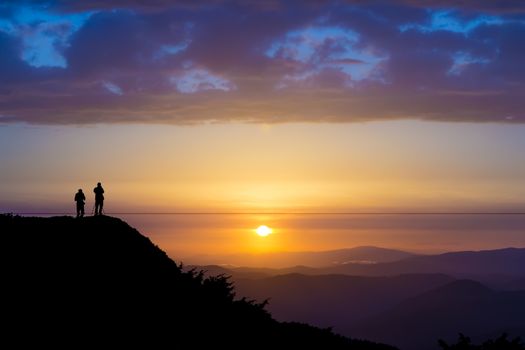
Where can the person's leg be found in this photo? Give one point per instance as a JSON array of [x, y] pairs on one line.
[[101, 207], [82, 211]]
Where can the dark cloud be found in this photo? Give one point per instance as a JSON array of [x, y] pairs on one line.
[[10, 63], [251, 61], [490, 6], [500, 6]]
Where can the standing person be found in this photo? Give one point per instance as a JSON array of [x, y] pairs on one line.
[[80, 198], [99, 199]]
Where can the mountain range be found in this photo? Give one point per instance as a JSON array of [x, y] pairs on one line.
[[426, 296], [360, 255], [493, 267]]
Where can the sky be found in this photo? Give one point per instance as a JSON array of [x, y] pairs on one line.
[[263, 106], [186, 62]]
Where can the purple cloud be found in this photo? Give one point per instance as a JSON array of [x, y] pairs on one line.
[[113, 88], [193, 80], [281, 61]]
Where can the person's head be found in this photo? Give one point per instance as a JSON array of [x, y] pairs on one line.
[[99, 184], [79, 190]]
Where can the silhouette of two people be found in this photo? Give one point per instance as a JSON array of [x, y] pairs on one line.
[[99, 199], [80, 199]]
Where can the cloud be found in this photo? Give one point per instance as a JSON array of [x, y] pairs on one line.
[[43, 35], [196, 79], [321, 48], [287, 61], [114, 89], [489, 6]]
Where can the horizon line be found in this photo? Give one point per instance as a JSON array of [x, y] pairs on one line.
[[275, 213]]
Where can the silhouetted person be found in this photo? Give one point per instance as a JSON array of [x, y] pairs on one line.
[[99, 199], [80, 198]]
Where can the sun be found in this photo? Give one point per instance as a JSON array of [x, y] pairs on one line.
[[263, 230]]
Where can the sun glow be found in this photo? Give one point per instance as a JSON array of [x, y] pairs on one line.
[[263, 230]]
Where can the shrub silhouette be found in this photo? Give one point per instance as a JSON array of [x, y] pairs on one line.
[[98, 282], [501, 343]]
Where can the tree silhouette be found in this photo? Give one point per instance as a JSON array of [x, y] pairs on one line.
[[501, 343]]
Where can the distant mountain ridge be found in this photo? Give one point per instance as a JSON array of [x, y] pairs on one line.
[[97, 282], [317, 259], [498, 265], [508, 261]]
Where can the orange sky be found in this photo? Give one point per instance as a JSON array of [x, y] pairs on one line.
[[211, 237], [381, 166], [361, 167]]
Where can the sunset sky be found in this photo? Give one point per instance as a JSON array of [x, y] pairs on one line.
[[263, 106]]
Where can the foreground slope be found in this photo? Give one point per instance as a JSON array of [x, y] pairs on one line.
[[70, 282]]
